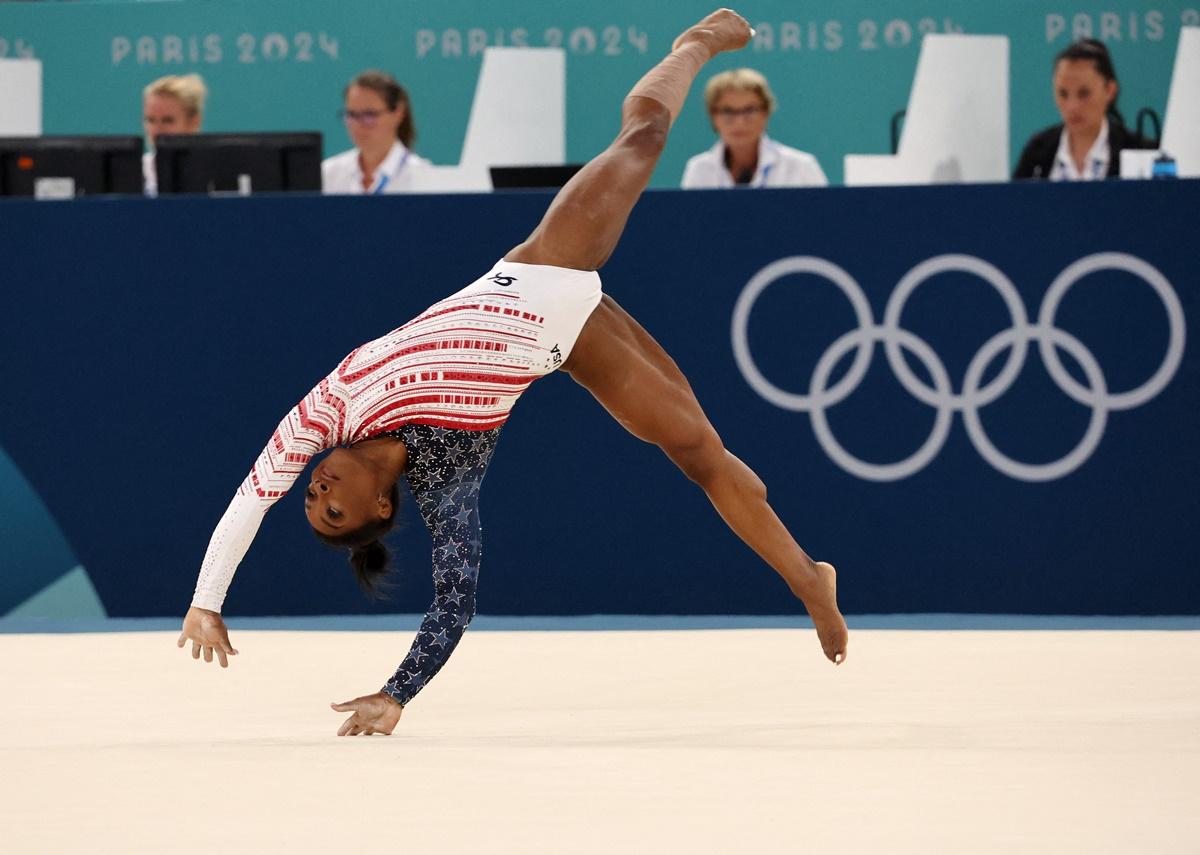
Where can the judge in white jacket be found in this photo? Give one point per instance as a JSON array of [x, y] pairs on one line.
[[379, 119], [739, 105]]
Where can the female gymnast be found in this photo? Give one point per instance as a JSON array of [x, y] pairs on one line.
[[427, 401]]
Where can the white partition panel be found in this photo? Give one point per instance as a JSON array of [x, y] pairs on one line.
[[518, 118], [451, 179], [956, 125], [20, 97], [1181, 127]]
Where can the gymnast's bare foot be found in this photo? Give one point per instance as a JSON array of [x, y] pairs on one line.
[[820, 598], [723, 30]]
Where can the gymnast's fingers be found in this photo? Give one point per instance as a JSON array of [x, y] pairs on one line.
[[346, 726], [195, 649], [208, 654], [222, 658]]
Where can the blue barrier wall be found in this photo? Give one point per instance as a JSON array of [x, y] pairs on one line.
[[152, 345]]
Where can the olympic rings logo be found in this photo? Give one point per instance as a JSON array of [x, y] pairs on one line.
[[941, 396]]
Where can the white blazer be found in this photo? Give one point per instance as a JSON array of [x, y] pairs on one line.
[[342, 173], [778, 166]]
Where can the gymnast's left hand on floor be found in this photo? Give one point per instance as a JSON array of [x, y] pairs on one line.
[[373, 714]]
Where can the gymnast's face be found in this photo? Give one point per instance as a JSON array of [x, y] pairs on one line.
[[343, 495]]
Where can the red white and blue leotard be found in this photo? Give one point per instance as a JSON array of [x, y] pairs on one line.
[[444, 384]]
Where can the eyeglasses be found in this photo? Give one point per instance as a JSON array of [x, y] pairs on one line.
[[366, 118], [728, 114]]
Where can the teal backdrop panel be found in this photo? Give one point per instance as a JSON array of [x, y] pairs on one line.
[[39, 574], [840, 70]]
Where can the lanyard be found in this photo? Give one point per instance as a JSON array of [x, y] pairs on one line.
[[761, 182], [383, 181]]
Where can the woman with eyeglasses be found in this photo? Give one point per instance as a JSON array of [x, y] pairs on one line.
[[427, 402], [739, 104], [378, 117]]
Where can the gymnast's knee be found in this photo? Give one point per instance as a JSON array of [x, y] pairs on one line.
[[700, 458]]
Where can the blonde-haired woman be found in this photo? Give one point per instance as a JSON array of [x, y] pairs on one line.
[[739, 104], [170, 105]]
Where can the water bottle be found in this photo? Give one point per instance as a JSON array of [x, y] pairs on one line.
[[1164, 167]]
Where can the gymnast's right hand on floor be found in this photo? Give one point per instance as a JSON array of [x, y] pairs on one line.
[[206, 630]]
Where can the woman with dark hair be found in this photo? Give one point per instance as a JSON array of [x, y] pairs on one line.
[[427, 401], [379, 119], [1087, 145]]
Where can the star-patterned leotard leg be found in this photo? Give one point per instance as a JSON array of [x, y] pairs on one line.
[[445, 471]]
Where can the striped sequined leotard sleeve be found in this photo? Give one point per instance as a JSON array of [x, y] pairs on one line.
[[445, 471], [316, 423]]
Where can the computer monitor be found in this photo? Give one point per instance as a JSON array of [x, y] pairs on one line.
[[526, 177], [239, 163], [65, 166]]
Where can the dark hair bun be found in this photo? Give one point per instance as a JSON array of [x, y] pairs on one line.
[[1092, 50], [370, 557], [370, 563]]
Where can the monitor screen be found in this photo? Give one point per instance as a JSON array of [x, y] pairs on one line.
[[510, 177], [60, 166], [239, 163]]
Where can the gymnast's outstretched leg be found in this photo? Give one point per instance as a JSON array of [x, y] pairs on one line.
[[624, 367], [630, 374]]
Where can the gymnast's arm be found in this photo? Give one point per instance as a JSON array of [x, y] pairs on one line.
[[452, 516], [316, 423]]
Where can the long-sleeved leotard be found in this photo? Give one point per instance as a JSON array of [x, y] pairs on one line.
[[457, 368], [445, 472], [462, 364]]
